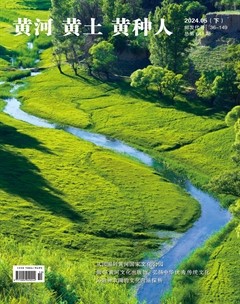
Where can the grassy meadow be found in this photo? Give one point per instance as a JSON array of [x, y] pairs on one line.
[[66, 203], [77, 193], [156, 126], [219, 286], [213, 288], [91, 204], [62, 283]]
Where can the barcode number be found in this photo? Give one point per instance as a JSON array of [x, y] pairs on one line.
[[28, 274]]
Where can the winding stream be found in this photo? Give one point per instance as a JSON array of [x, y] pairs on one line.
[[212, 218]]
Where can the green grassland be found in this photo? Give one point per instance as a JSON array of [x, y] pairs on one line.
[[13, 46], [202, 153], [151, 125], [222, 272], [67, 281], [79, 196], [219, 284], [207, 155], [84, 203], [79, 201]]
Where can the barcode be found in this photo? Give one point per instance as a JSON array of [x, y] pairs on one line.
[[28, 273]]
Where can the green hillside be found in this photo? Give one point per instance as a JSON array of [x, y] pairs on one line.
[[67, 204]]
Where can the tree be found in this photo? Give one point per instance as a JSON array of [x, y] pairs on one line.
[[72, 47], [225, 86], [150, 4], [236, 145], [84, 10], [73, 50], [228, 4], [120, 8], [169, 51], [58, 58], [167, 82], [148, 76], [194, 9], [233, 60], [219, 86], [233, 52], [210, 5], [58, 14], [229, 182], [171, 84], [233, 118], [204, 86], [139, 79], [102, 57], [156, 76], [108, 10]]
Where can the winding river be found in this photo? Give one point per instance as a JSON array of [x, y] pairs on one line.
[[212, 218]]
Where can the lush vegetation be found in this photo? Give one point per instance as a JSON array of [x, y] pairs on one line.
[[66, 203], [210, 288], [170, 50], [66, 281], [167, 82], [42, 200], [198, 154]]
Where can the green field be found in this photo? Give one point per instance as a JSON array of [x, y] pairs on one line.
[[62, 277], [66, 203], [206, 58], [218, 285], [122, 112], [213, 288], [77, 193]]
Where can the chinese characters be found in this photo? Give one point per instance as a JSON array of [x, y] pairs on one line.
[[138, 272], [74, 26], [24, 25]]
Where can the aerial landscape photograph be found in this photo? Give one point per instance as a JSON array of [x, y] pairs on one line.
[[119, 152]]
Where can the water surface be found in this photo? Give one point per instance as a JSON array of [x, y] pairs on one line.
[[212, 218]]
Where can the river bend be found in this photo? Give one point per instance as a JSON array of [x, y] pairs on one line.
[[213, 217]]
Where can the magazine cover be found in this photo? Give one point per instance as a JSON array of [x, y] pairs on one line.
[[119, 152]]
